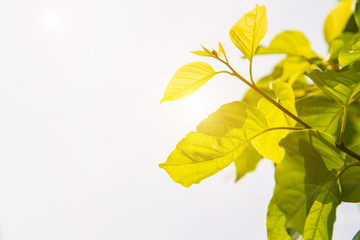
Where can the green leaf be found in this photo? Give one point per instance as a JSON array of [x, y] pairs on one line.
[[341, 43], [350, 180], [251, 97], [292, 43], [337, 19], [357, 13], [202, 53], [357, 236], [275, 223], [345, 58], [247, 33], [320, 112], [268, 143], [322, 215], [246, 161], [341, 86], [306, 186], [187, 80]]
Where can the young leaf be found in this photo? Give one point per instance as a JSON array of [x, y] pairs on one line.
[[247, 33], [308, 174], [292, 43], [267, 144], [275, 223], [187, 80], [345, 58], [337, 19], [202, 53], [221, 50], [340, 86]]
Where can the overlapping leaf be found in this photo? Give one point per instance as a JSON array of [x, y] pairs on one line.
[[350, 179], [292, 43], [347, 57], [187, 80], [341, 43], [320, 112], [219, 140], [275, 223], [306, 186], [341, 86], [247, 33], [268, 143]]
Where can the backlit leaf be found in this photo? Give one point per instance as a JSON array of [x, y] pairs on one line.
[[337, 19], [306, 187], [268, 143], [345, 58], [293, 68], [246, 161], [187, 80], [247, 33], [341, 43], [292, 43], [341, 86], [275, 223], [202, 53], [320, 112]]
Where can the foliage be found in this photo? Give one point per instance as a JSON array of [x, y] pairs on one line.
[[303, 116]]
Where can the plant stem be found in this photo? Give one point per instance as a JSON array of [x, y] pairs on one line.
[[343, 124], [253, 86], [250, 71]]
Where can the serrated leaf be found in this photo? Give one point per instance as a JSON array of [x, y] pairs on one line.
[[307, 175], [340, 86], [320, 112], [187, 80], [247, 33], [292, 43], [350, 179], [347, 57], [202, 53], [275, 223], [337, 19], [268, 143]]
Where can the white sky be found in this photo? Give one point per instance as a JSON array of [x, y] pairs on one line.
[[82, 130]]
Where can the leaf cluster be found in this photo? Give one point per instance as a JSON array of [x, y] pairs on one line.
[[303, 116]]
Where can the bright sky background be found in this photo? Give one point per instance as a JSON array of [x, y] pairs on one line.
[[82, 131]]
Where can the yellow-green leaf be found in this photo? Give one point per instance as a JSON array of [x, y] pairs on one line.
[[221, 50], [202, 53], [247, 33], [187, 80], [246, 161], [267, 144], [337, 19], [345, 58], [292, 43], [293, 68], [199, 156]]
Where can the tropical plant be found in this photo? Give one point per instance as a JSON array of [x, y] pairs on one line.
[[304, 116]]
